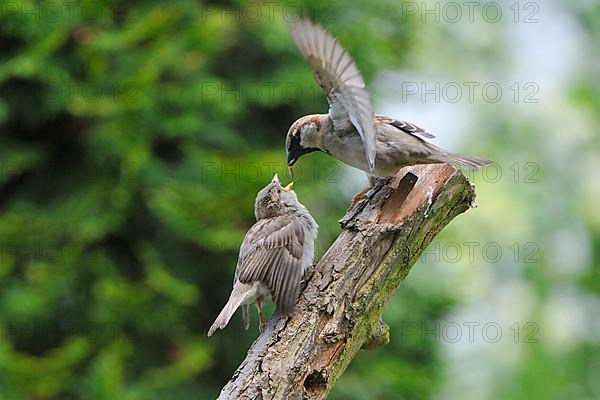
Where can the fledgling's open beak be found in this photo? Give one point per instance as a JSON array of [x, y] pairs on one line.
[[288, 187]]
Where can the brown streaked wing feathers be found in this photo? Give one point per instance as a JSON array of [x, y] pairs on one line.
[[272, 254], [405, 126]]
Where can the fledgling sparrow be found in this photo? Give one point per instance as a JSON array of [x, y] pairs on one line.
[[350, 132], [275, 254]]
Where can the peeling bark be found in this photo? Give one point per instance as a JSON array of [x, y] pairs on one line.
[[339, 311]]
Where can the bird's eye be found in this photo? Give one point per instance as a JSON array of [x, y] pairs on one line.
[[278, 190]]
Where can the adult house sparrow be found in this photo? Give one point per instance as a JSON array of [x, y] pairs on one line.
[[350, 132], [275, 254]]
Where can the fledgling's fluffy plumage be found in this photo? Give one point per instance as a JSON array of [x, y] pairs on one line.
[[275, 254], [350, 132]]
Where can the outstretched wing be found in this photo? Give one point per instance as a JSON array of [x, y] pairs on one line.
[[272, 254], [407, 127], [337, 74]]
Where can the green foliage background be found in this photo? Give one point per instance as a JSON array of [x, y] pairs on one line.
[[134, 138]]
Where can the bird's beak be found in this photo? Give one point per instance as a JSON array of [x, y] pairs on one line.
[[291, 171], [288, 187], [296, 151], [275, 178], [292, 157], [293, 152]]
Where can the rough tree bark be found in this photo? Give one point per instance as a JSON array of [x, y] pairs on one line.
[[339, 312]]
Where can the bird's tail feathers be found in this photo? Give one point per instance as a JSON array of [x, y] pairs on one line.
[[459, 160], [237, 297]]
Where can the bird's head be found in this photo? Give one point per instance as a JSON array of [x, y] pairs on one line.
[[304, 136], [275, 199]]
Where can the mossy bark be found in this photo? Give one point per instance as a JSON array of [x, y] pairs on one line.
[[340, 310]]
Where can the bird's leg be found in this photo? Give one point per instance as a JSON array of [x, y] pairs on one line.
[[358, 197], [307, 275], [261, 320]]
